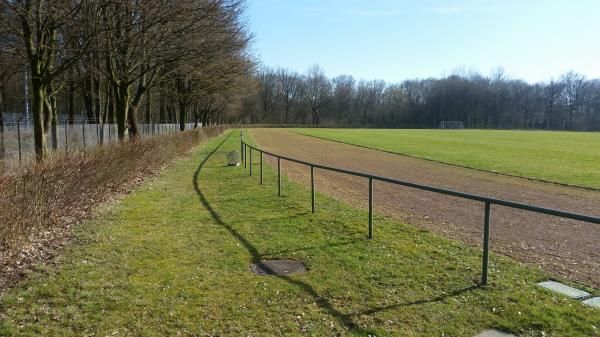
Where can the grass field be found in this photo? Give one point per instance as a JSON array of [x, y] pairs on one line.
[[173, 260], [564, 157]]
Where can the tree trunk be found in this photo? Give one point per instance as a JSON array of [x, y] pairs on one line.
[[54, 131], [122, 96], [71, 101], [315, 116], [89, 107], [2, 146], [204, 118], [132, 119], [570, 118], [97, 107], [50, 116], [161, 113], [172, 114], [110, 105], [196, 116], [182, 115], [88, 96], [148, 110], [37, 111]]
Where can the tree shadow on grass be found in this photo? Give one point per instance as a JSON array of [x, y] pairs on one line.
[[312, 248], [322, 302]]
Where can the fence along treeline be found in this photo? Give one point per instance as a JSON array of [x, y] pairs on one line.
[[122, 61], [570, 103]]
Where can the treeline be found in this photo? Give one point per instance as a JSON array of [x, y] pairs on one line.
[[123, 61], [497, 101]]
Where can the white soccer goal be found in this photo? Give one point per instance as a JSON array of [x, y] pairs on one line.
[[452, 125]]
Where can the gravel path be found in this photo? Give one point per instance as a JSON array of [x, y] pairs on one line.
[[567, 248]]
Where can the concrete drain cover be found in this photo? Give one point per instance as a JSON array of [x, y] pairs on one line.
[[593, 302], [278, 267], [495, 333], [564, 289]]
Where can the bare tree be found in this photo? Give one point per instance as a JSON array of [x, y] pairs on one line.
[[268, 90], [574, 84], [206, 85], [368, 97], [552, 93], [290, 86], [344, 93], [47, 35], [494, 101], [148, 40], [318, 89]]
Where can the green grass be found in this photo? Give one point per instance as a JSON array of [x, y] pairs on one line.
[[564, 157], [173, 260]]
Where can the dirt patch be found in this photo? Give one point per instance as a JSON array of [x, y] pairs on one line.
[[564, 247]]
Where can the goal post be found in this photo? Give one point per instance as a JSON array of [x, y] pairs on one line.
[[452, 125]]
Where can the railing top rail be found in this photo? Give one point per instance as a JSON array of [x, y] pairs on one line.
[[469, 196]]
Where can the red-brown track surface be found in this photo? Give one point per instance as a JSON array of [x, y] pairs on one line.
[[570, 249]]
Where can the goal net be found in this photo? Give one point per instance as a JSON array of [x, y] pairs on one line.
[[452, 125]]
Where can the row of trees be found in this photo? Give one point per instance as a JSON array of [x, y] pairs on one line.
[[497, 101], [124, 61]]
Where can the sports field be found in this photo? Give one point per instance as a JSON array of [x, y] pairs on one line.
[[562, 247], [564, 157], [173, 259]]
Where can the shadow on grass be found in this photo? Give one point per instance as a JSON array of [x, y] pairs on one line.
[[337, 244], [324, 303], [417, 302]]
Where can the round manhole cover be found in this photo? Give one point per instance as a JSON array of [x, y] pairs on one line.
[[278, 267]]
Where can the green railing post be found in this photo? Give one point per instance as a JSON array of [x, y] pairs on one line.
[[245, 156], [370, 208], [486, 244], [278, 176], [312, 187], [251, 162], [261, 167]]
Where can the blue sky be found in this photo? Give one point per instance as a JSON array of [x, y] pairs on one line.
[[394, 40]]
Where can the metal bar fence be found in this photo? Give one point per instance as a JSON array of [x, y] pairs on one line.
[[370, 208], [83, 131], [488, 201], [312, 187], [19, 140], [66, 133], [278, 176], [70, 133]]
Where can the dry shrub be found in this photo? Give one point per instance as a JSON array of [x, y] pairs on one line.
[[39, 202]]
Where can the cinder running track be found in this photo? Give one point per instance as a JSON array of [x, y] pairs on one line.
[[567, 248]]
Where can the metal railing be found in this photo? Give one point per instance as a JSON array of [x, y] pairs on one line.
[[488, 201]]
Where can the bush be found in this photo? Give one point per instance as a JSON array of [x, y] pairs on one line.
[[40, 202]]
